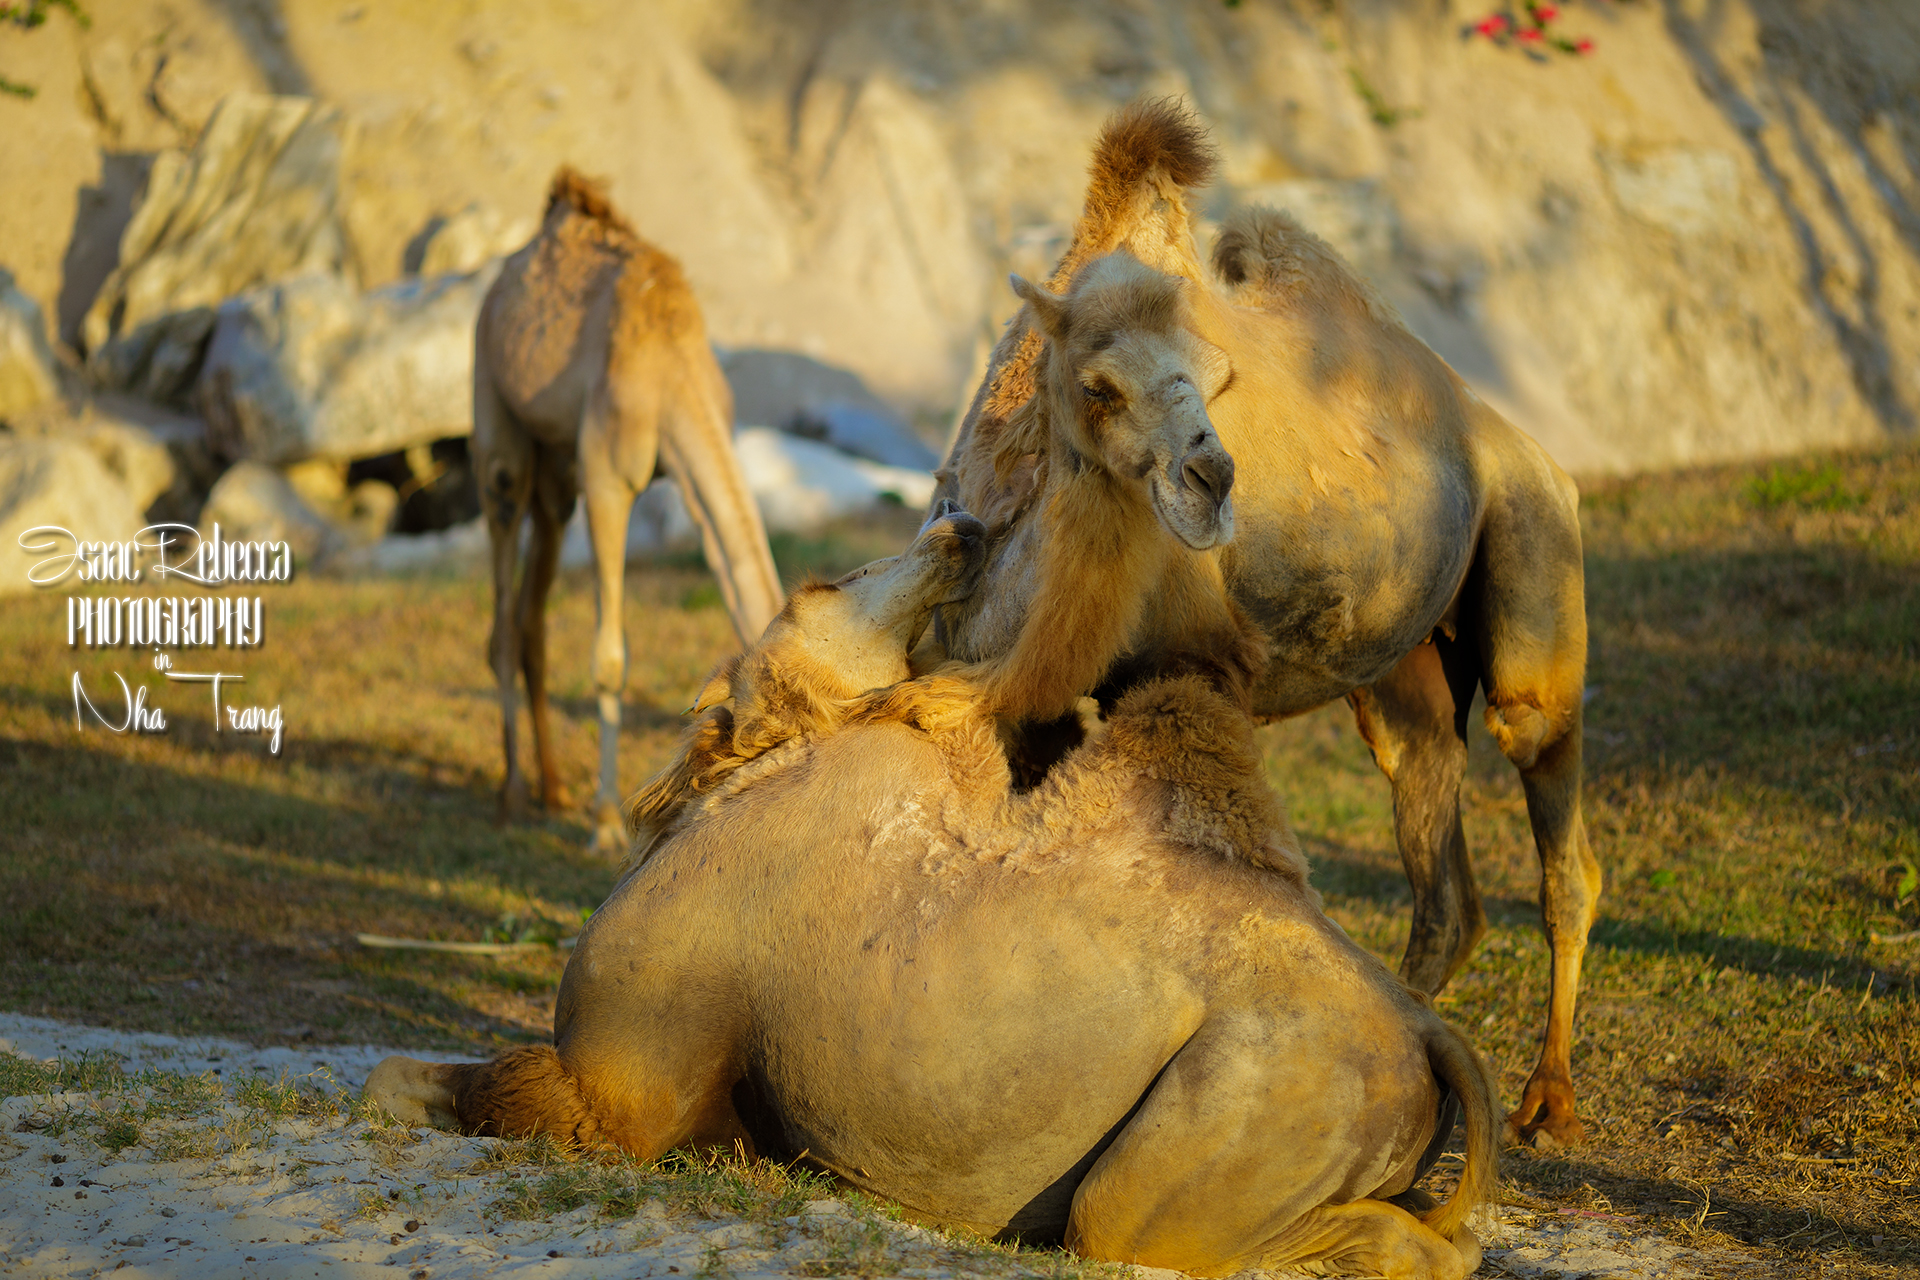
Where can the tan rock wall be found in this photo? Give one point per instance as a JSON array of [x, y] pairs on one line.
[[1698, 243]]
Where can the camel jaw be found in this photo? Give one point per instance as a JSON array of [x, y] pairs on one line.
[[1199, 523]]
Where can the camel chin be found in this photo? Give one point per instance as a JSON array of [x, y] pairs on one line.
[[1198, 522]]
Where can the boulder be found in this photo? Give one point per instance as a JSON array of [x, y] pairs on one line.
[[805, 397], [311, 368], [255, 200], [136, 455], [465, 242], [28, 375], [56, 482], [801, 484], [253, 502]]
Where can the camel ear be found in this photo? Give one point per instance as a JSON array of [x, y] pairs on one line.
[[1048, 307], [718, 689]]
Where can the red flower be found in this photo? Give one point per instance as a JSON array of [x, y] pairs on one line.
[[1583, 46], [1494, 24], [1530, 34], [1543, 14]]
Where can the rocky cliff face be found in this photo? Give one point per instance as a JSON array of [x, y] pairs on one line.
[[1698, 242]]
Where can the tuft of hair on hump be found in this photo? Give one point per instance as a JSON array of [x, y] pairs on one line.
[[1269, 260], [585, 196], [1156, 133]]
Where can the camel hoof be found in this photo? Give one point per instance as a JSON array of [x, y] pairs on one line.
[[513, 801], [1545, 1130], [609, 836]]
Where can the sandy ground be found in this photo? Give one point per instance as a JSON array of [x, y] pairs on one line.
[[333, 1197]]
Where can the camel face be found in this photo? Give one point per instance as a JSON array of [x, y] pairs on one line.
[[1130, 384], [861, 627]]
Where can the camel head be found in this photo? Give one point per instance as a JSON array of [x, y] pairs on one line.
[[1126, 386], [832, 642]]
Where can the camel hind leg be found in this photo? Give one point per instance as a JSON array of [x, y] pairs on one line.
[[552, 505], [1532, 628], [1415, 721], [504, 462], [535, 1090], [1237, 1149]]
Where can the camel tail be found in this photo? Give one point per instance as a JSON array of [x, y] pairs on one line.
[[1455, 1062], [520, 1093], [585, 196]]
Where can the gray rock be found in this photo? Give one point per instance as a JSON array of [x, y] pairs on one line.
[[255, 200], [253, 502], [28, 375], [310, 368], [802, 396], [801, 484], [61, 483], [465, 242]]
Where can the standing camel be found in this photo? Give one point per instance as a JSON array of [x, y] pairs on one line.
[[591, 370], [1399, 543]]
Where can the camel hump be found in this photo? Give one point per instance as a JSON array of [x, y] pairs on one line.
[[585, 196], [1157, 134], [1269, 261]]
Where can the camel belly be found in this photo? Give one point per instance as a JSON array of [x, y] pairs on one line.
[[1345, 583]]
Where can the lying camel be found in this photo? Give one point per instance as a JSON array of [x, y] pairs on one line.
[[591, 370], [1108, 1011], [1399, 543]]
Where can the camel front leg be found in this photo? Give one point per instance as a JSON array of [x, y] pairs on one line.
[[1414, 720], [609, 507]]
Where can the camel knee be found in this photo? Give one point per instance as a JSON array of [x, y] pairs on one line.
[[1523, 730], [610, 667]]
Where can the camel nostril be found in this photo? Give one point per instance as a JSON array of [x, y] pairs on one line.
[[1198, 480]]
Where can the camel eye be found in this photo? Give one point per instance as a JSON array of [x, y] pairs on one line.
[[1100, 394]]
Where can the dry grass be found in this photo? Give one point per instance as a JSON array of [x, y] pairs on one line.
[[1747, 1057]]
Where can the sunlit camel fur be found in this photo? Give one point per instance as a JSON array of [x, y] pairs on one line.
[[1131, 488], [592, 372], [831, 643], [1398, 542], [1107, 1011]]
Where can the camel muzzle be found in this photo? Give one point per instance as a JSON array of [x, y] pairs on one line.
[[1195, 498]]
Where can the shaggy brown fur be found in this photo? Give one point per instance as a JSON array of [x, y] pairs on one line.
[[1117, 426], [801, 679], [1384, 505]]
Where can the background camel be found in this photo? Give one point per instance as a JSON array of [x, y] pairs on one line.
[[1399, 543], [1108, 1011], [592, 371]]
